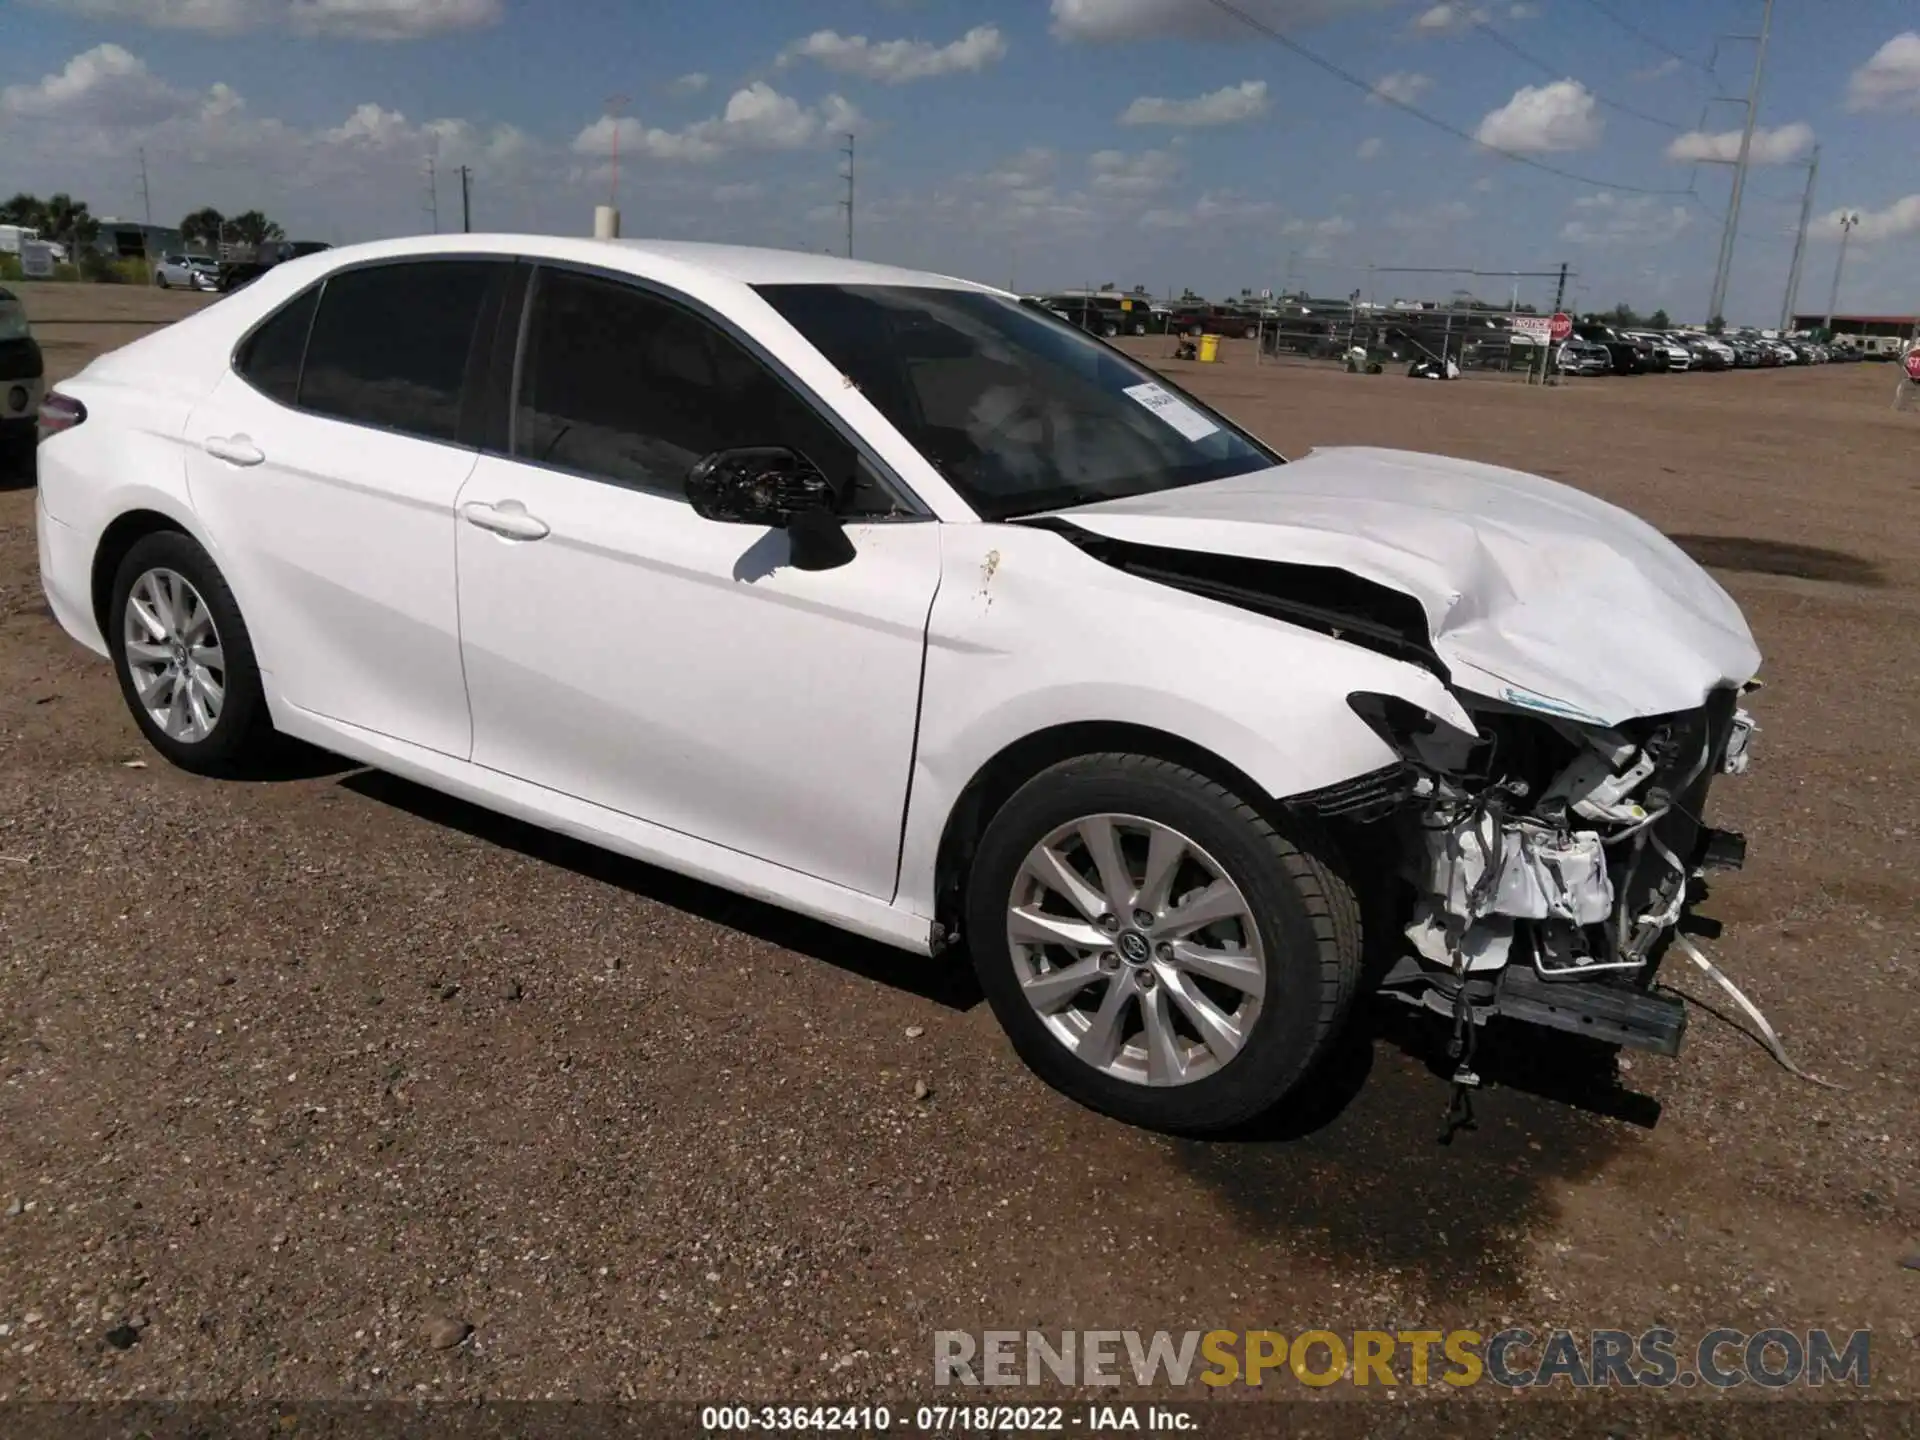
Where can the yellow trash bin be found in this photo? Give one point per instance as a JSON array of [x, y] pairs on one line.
[[1210, 348]]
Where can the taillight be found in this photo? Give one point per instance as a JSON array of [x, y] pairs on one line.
[[57, 413]]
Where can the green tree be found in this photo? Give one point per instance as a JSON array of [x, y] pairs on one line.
[[69, 221], [1623, 314], [1660, 320], [203, 227], [250, 227], [26, 210], [1716, 325]]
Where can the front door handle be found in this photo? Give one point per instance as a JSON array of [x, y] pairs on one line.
[[508, 517], [234, 449]]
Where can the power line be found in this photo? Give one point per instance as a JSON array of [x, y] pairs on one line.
[[1723, 272], [1554, 71], [1646, 39], [1350, 78]]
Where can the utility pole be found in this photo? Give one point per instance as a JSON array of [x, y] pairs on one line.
[[847, 204], [615, 104], [1847, 222], [433, 184], [1799, 245], [1721, 274], [466, 200], [1552, 350], [146, 199]]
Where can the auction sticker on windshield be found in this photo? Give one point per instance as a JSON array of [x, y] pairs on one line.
[[1175, 411]]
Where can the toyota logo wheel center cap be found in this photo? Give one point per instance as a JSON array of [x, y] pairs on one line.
[[1133, 947]]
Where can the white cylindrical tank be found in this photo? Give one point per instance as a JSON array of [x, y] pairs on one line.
[[606, 223]]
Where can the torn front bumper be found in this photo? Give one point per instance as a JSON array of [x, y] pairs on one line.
[[1553, 900]]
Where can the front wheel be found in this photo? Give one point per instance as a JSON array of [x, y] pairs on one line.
[[184, 657], [1157, 948], [160, 279]]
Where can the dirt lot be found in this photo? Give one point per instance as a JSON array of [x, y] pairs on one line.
[[289, 1071]]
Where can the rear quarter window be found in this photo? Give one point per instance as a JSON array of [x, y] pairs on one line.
[[270, 358]]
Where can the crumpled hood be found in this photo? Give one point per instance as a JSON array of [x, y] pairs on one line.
[[1535, 593]]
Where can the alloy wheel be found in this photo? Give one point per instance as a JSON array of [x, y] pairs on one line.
[[1136, 949], [174, 656]]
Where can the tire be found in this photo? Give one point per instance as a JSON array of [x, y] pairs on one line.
[[160, 279], [241, 732], [1304, 918], [1109, 330], [1250, 333]]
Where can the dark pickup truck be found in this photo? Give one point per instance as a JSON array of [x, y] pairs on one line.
[[233, 274]]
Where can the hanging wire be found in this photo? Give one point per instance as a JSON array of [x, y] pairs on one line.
[[1555, 72], [1339, 73], [1646, 39]]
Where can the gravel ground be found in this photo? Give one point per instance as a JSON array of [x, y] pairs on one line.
[[326, 1086]]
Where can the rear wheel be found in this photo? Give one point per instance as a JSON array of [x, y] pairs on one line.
[[1155, 947], [184, 658]]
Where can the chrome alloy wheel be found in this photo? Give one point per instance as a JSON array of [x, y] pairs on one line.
[[174, 656], [1136, 950]]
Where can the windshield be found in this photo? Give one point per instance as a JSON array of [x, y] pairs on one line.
[[1020, 412]]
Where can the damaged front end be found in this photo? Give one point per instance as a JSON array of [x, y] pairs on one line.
[[1544, 864]]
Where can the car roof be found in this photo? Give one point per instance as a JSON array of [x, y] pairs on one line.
[[743, 264]]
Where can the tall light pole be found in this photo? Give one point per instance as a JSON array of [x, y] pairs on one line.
[[1716, 309], [847, 204], [615, 104], [1799, 246], [1847, 221]]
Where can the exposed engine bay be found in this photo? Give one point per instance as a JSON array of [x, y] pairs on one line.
[[1546, 864]]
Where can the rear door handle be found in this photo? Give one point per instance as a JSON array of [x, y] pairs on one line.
[[508, 517], [234, 449]]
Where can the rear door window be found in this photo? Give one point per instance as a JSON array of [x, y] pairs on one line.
[[394, 346], [269, 359]]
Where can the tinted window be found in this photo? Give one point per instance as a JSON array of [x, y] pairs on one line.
[[392, 343], [623, 385], [1020, 412], [270, 359]]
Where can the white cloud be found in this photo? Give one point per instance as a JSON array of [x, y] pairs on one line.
[[1666, 67], [896, 62], [1779, 146], [692, 83], [738, 193], [1604, 218], [1226, 106], [1523, 11], [1896, 222], [1891, 79], [1119, 20], [1118, 173], [1542, 118], [756, 118], [1447, 18], [341, 19], [1371, 148], [105, 86], [1215, 207], [1032, 167], [1402, 85], [1320, 236], [1438, 216]]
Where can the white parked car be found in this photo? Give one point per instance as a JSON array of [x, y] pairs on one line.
[[190, 272], [897, 602]]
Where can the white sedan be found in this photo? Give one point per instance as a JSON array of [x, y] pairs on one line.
[[189, 272], [897, 602]]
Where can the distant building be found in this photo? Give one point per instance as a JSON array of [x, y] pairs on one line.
[[134, 240], [1880, 327]]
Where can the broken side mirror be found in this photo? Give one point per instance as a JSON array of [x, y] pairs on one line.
[[774, 486]]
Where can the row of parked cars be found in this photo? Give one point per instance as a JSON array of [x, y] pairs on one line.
[[1612, 350], [1133, 314]]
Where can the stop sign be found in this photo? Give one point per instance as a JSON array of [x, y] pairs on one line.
[[1562, 326]]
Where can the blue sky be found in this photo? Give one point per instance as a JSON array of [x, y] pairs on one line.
[[1035, 142]]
